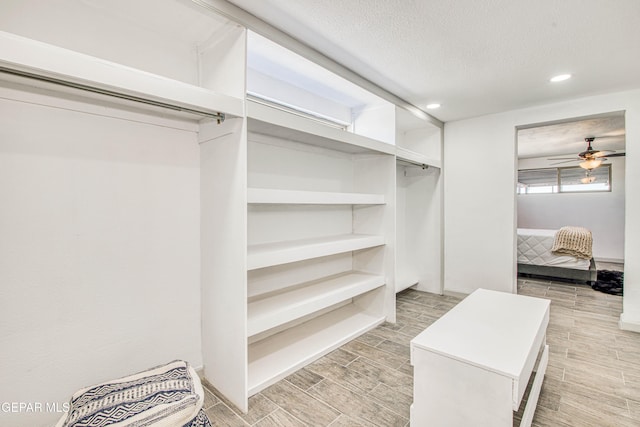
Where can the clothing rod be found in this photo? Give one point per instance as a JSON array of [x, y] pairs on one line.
[[292, 110], [219, 117], [412, 163]]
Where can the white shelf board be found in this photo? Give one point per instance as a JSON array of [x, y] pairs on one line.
[[278, 123], [267, 195], [43, 60], [410, 156], [270, 254], [278, 309], [277, 356]]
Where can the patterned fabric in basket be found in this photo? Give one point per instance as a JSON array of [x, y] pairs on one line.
[[165, 396], [201, 420]]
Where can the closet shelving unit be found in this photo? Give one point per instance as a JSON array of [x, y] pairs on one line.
[[419, 203], [319, 223], [304, 262]]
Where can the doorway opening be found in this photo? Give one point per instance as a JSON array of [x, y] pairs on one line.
[[571, 173]]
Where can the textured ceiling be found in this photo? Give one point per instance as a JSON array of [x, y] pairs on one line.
[[473, 56], [560, 139]]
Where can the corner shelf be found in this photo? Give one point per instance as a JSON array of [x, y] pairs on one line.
[[274, 310], [274, 196], [270, 254], [276, 357]]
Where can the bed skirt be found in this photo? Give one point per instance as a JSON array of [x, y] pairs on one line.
[[590, 275]]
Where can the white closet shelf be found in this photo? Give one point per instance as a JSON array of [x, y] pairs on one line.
[[270, 254], [273, 196], [42, 60], [277, 356], [274, 310], [410, 156], [278, 123]]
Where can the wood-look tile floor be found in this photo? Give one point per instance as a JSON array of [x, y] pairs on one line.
[[593, 377]]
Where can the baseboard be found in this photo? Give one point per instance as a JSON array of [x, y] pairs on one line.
[[628, 325], [611, 260], [200, 371]]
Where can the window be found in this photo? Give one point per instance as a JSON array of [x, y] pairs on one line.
[[564, 180], [532, 181]]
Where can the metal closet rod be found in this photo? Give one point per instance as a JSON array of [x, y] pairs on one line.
[[291, 110], [412, 163], [219, 117]]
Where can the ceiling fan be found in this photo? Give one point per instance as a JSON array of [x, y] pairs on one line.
[[589, 158]]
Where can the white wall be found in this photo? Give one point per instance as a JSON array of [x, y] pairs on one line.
[[90, 28], [480, 199], [479, 204], [600, 212], [99, 247]]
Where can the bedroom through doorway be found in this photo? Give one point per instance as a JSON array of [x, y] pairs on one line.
[[570, 200]]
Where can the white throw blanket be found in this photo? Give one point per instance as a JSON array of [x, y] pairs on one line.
[[575, 241]]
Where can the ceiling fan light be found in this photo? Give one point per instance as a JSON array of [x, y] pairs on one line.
[[590, 164], [588, 179]]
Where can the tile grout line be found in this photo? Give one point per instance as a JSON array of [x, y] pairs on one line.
[[303, 391], [327, 403], [277, 407], [379, 402]]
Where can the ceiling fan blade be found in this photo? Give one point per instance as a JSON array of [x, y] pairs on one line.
[[564, 158], [616, 155], [598, 138], [603, 153], [566, 161]]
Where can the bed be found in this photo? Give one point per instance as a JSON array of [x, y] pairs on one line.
[[535, 258]]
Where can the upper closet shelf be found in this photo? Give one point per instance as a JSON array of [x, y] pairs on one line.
[[267, 120], [27, 57], [270, 254], [412, 157], [273, 196]]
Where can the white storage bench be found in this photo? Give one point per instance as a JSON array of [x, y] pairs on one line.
[[472, 366]]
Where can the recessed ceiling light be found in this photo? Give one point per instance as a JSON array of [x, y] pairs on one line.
[[433, 106], [560, 78]]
